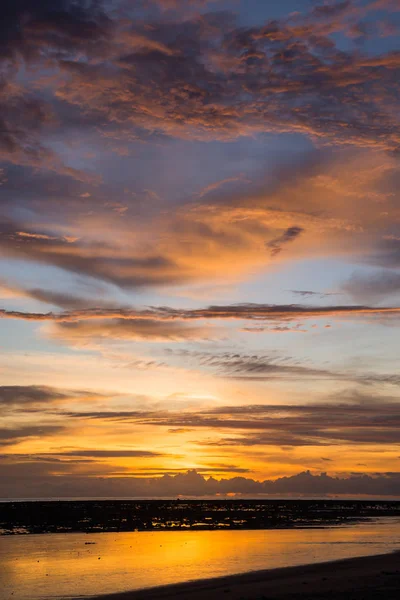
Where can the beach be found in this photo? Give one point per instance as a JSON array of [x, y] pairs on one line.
[[365, 578]]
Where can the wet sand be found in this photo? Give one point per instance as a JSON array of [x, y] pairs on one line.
[[366, 578]]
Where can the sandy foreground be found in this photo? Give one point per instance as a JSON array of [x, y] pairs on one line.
[[366, 578]]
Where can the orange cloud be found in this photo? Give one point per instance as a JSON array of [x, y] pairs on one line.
[[327, 210]]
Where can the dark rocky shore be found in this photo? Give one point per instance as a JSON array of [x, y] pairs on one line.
[[154, 515]]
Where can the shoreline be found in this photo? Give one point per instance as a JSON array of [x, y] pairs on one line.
[[91, 516], [362, 578]]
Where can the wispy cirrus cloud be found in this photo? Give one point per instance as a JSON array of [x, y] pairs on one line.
[[267, 367]]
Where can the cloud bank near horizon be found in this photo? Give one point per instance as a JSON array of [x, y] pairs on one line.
[[193, 484]]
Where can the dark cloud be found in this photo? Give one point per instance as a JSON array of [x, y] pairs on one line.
[[45, 28], [255, 365], [323, 424], [244, 311], [24, 396], [41, 33], [214, 78], [113, 415], [289, 235], [21, 120], [367, 422], [304, 293], [164, 323], [96, 259], [43, 472], [13, 435], [372, 288], [387, 252], [316, 437], [20, 458], [112, 453], [72, 459], [308, 293], [63, 299], [332, 10], [203, 76], [263, 367], [31, 394]]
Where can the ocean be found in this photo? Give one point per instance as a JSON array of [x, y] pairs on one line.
[[71, 565]]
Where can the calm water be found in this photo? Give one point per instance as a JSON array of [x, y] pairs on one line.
[[34, 567]]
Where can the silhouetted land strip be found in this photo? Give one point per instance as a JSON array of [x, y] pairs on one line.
[[154, 515], [368, 578]]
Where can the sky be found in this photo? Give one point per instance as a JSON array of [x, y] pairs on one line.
[[199, 248]]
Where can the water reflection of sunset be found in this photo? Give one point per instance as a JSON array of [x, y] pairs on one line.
[[79, 564]]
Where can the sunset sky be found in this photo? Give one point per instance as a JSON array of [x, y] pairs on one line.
[[199, 247]]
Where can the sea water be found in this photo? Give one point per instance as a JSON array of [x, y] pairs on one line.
[[45, 566]]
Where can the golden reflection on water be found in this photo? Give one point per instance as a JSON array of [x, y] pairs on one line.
[[67, 565]]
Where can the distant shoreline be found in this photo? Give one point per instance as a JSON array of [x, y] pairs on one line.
[[96, 516], [364, 578]]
